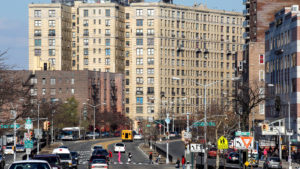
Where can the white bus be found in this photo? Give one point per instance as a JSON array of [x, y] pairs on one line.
[[72, 133]]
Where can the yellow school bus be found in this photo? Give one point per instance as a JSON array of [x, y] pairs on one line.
[[127, 135]]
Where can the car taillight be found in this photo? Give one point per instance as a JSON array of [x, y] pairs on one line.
[[229, 158], [92, 166], [105, 166]]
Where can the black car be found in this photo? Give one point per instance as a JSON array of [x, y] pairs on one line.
[[75, 156], [52, 159], [100, 152], [2, 161], [233, 157]]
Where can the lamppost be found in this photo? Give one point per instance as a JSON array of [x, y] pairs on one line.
[[94, 106]]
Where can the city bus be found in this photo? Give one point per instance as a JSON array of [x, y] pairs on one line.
[[72, 133], [127, 135]]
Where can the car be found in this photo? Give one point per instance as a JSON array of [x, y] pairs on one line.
[[2, 161], [63, 147], [20, 148], [138, 137], [97, 147], [172, 134], [98, 163], [101, 152], [233, 157], [39, 164], [94, 157], [52, 159], [64, 155], [212, 153], [272, 162], [90, 135], [117, 134], [75, 157], [228, 152], [119, 147], [105, 134], [9, 150]]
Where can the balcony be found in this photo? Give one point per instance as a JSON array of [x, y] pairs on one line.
[[37, 34], [246, 24], [246, 12], [246, 35]]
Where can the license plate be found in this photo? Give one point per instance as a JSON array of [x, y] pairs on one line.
[[274, 165]]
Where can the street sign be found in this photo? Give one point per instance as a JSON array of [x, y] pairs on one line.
[[240, 133], [187, 135], [28, 144], [222, 143], [239, 144], [247, 141], [28, 124], [38, 133], [28, 151], [197, 148], [246, 163], [202, 124], [148, 125], [11, 126], [167, 120]]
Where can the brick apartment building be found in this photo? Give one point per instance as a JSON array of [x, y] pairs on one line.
[[282, 63]]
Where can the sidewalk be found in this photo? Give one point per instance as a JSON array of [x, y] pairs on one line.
[[146, 150], [285, 164]]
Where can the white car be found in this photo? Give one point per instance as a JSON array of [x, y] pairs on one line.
[[119, 147], [99, 163], [138, 137], [9, 150], [30, 164]]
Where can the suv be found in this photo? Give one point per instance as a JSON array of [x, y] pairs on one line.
[[64, 155], [52, 159]]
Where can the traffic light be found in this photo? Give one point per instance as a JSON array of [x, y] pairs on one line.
[[46, 125], [30, 135]]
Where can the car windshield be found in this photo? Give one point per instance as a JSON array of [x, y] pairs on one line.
[[104, 152], [8, 147], [19, 145], [235, 155], [64, 156], [274, 160], [213, 149], [29, 165], [50, 160], [99, 161], [120, 144], [97, 147]]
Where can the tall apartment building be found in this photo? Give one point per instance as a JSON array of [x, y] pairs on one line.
[[153, 44], [282, 51], [258, 14]]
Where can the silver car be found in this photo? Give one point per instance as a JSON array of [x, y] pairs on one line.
[[272, 162]]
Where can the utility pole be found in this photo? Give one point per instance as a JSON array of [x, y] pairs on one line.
[[38, 140], [173, 127], [167, 159], [205, 128], [290, 159], [52, 132], [15, 132], [94, 123]]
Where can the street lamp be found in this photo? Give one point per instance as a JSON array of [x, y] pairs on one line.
[[94, 106]]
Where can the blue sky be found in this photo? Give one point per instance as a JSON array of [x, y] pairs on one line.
[[14, 25]]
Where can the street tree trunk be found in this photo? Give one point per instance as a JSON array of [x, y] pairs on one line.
[[218, 153]]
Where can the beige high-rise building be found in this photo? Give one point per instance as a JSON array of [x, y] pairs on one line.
[[166, 51]]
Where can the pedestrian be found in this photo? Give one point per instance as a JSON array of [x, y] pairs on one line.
[[183, 162], [110, 155], [119, 157], [158, 158], [150, 158], [177, 165], [129, 157], [265, 153]]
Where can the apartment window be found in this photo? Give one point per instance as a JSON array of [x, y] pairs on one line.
[[150, 90], [150, 80], [43, 91], [139, 22], [139, 71], [51, 23], [139, 51], [72, 91], [37, 32], [107, 52], [107, 32], [52, 92], [139, 80], [33, 92], [150, 61], [107, 12], [72, 81], [37, 23], [85, 51], [107, 61], [44, 81], [37, 42], [51, 13], [139, 61], [52, 81], [51, 32], [107, 22], [261, 108], [127, 35], [150, 12], [37, 52], [127, 15], [139, 32], [86, 22], [85, 13], [150, 71], [150, 109], [261, 75], [127, 43], [150, 41], [51, 42], [37, 13], [85, 42], [139, 100], [107, 42], [127, 25], [150, 31], [150, 51], [150, 22], [51, 52], [261, 59], [139, 12], [86, 61], [139, 109], [139, 41]]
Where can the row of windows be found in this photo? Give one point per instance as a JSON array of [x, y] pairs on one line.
[[86, 12], [38, 23], [280, 40], [86, 22], [86, 42], [38, 42], [86, 61], [86, 32], [38, 32], [38, 13], [86, 51], [51, 52], [52, 81], [34, 92], [281, 63]]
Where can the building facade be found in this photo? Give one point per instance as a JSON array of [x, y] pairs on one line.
[[166, 51], [282, 64]]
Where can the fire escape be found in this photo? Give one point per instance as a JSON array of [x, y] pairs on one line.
[[113, 100], [95, 91], [27, 85]]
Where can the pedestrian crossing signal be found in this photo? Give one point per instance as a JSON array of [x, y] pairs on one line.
[[265, 127]]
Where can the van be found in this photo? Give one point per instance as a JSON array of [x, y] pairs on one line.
[[127, 135], [64, 155]]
